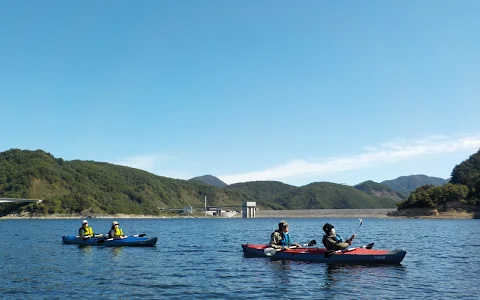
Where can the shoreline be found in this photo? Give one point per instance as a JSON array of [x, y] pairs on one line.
[[304, 213]]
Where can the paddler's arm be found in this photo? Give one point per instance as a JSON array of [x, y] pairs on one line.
[[350, 240], [275, 240], [333, 244]]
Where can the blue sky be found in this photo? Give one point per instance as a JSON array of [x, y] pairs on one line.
[[294, 91]]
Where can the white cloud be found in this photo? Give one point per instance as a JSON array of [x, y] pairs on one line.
[[385, 153], [148, 163]]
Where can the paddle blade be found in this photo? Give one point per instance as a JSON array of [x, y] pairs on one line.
[[361, 221], [312, 243], [369, 246], [269, 251]]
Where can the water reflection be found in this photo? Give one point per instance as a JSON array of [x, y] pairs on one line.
[[116, 251], [330, 276], [360, 274], [280, 269], [85, 249]]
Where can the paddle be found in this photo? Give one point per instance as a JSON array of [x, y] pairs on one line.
[[332, 252], [361, 222], [271, 251], [93, 236], [111, 239], [310, 244]]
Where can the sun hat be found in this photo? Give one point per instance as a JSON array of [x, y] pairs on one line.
[[282, 223]]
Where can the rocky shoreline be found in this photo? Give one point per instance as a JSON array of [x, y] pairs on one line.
[[304, 213]]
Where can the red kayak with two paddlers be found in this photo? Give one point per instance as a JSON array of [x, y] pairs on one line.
[[352, 255]]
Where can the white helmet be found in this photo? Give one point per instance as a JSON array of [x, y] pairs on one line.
[[84, 222], [114, 223]]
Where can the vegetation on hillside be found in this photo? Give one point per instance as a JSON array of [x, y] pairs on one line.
[[332, 195], [318, 195], [464, 187], [378, 189], [404, 185], [209, 179], [88, 187]]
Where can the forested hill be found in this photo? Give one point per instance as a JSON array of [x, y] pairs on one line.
[[404, 185], [464, 187], [88, 187], [209, 179], [314, 195], [378, 189]]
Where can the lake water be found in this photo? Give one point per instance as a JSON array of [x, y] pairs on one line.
[[203, 259]]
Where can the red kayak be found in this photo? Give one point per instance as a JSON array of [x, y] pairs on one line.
[[351, 255]]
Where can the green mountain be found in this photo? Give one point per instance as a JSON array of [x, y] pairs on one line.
[[265, 193], [379, 190], [463, 188], [404, 185], [95, 187], [316, 195], [89, 187], [209, 179]]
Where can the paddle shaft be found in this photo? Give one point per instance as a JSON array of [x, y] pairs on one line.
[[358, 227], [332, 252]]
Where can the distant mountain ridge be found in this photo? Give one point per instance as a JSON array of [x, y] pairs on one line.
[[209, 179], [404, 185], [379, 190], [89, 188], [396, 189], [320, 195]]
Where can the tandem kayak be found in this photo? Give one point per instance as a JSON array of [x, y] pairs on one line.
[[348, 256], [101, 241]]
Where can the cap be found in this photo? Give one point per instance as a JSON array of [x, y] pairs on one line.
[[282, 223], [114, 223], [84, 222], [327, 227]]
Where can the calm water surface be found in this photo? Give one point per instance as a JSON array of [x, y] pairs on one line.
[[202, 259]]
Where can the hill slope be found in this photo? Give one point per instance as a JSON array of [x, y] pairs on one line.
[[404, 185], [88, 187], [209, 179], [316, 195], [379, 190]]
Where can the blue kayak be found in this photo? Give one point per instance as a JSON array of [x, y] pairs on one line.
[[102, 241]]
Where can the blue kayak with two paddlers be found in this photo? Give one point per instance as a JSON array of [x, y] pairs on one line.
[[129, 241]]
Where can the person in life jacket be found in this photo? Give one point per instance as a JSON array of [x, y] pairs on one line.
[[85, 231], [280, 238], [115, 231], [332, 241]]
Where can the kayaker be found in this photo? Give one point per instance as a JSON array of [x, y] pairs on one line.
[[280, 238], [115, 231], [332, 241], [85, 231]]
